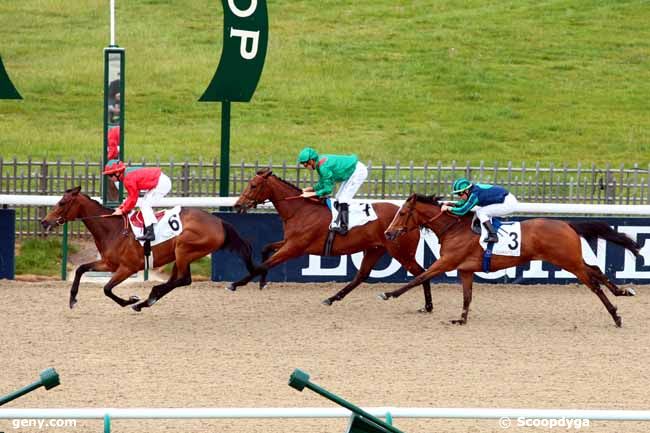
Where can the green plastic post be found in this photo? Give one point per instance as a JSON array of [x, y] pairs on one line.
[[300, 380], [48, 378], [107, 423]]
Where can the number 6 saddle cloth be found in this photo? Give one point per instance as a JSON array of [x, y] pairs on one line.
[[168, 226], [509, 233]]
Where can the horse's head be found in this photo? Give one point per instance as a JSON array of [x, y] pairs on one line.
[[257, 191], [409, 217], [65, 210], [400, 223]]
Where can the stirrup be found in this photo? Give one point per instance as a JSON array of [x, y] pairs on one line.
[[339, 230], [148, 234], [491, 238]]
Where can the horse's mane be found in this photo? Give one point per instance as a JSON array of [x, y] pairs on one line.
[[429, 199], [264, 171], [89, 199]]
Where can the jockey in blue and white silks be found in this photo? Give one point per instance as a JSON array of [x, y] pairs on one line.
[[492, 200]]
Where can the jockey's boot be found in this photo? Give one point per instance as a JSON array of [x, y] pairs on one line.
[[492, 234], [148, 234], [342, 219]]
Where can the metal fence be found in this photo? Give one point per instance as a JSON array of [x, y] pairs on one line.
[[535, 184]]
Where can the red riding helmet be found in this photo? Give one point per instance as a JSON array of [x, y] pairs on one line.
[[114, 166]]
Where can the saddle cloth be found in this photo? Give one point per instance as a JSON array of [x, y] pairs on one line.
[[169, 224], [359, 212], [509, 233]]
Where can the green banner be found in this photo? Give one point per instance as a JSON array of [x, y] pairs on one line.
[[7, 89], [245, 37]]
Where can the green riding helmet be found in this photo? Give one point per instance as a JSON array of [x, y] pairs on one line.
[[307, 154], [461, 185]]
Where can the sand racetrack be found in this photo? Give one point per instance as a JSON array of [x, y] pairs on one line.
[[525, 346]]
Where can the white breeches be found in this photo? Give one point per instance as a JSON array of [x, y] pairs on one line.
[[144, 202], [508, 206], [349, 188]]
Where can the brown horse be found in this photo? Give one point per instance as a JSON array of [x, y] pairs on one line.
[[121, 254], [306, 222], [554, 241]]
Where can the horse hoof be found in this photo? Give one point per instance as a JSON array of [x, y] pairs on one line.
[[327, 302], [133, 299], [618, 321], [425, 310], [383, 296], [231, 288], [631, 291], [458, 322], [73, 303], [137, 307], [263, 286]]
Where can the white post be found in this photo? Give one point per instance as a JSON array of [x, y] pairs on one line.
[[112, 24]]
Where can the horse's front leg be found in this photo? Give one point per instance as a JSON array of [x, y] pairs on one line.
[[467, 279], [98, 265], [440, 266], [266, 253], [370, 257], [286, 252], [120, 275]]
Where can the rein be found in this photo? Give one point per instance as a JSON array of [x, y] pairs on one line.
[[293, 197], [432, 219], [61, 220]]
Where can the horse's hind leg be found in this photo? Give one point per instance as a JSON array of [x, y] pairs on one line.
[[467, 279], [616, 291], [370, 257], [592, 280], [266, 253], [157, 292]]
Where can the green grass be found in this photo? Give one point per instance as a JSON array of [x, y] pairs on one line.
[[549, 80], [201, 268], [40, 256]]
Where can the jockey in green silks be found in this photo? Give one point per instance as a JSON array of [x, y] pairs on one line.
[[492, 200], [332, 169]]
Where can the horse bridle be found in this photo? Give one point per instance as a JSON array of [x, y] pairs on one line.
[[62, 220], [430, 220], [254, 199]]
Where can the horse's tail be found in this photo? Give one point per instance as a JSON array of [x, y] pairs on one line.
[[238, 245], [597, 229]]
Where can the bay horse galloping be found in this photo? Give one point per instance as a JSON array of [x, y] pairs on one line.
[[306, 222], [555, 241], [122, 255]]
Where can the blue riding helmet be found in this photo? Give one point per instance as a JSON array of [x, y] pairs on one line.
[[461, 185], [307, 154]]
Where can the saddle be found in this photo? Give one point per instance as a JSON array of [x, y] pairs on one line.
[[136, 219]]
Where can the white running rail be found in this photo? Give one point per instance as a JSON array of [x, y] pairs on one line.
[[215, 202], [313, 412]]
